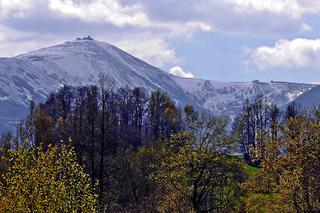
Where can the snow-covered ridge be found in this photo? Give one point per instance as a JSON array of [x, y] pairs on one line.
[[34, 75], [227, 98]]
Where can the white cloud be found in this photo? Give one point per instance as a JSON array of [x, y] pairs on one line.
[[186, 29], [309, 6], [110, 11], [13, 42], [155, 23], [178, 71], [239, 16], [149, 48], [291, 8], [14, 7], [7, 33], [14, 48], [272, 17], [296, 53], [287, 7]]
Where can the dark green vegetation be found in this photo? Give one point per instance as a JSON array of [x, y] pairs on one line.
[[143, 154]]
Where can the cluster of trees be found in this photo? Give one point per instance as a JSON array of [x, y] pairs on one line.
[[121, 138], [35, 179], [196, 165], [258, 119], [106, 128], [131, 151], [286, 146]]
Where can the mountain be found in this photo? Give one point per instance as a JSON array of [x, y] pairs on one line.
[[227, 98], [309, 99], [34, 75]]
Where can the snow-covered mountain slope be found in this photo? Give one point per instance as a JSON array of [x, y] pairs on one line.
[[309, 99], [21, 81], [34, 75], [80, 62], [227, 98]]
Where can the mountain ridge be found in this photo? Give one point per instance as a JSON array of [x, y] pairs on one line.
[[35, 74]]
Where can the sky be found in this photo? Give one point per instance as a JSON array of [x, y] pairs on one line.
[[227, 40]]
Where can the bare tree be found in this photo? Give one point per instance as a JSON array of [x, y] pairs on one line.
[[106, 84]]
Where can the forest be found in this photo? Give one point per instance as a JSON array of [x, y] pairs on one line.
[[100, 149]]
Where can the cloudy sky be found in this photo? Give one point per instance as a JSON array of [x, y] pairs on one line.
[[234, 40]]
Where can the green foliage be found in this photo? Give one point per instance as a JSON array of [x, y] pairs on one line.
[[199, 171], [50, 180], [250, 170]]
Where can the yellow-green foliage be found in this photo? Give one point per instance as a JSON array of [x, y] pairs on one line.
[[251, 170], [195, 171], [289, 180], [48, 180], [266, 203]]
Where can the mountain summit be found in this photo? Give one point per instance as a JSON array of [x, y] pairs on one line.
[[32, 76]]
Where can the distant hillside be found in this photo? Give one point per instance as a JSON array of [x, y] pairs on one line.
[[309, 99]]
